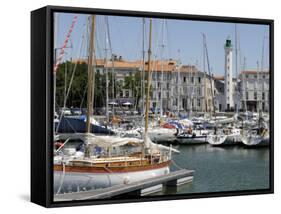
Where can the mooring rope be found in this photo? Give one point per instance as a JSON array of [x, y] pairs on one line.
[[176, 165]]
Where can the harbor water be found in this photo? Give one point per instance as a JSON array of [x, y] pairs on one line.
[[218, 169]]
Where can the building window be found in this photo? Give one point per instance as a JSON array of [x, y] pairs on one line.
[[263, 95], [121, 94], [263, 76], [199, 80], [255, 76], [192, 79], [247, 76], [199, 91], [255, 96], [127, 94], [198, 102], [184, 79], [247, 95], [168, 85]]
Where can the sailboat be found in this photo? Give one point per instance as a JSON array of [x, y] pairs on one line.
[[229, 135], [256, 137], [156, 132], [105, 161]]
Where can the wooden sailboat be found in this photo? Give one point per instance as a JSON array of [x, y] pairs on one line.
[[108, 160]]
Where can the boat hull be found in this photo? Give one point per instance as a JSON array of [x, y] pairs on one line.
[[162, 135], [224, 140], [192, 140], [81, 181], [256, 141]]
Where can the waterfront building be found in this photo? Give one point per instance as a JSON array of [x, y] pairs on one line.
[[174, 87], [184, 88], [254, 89]]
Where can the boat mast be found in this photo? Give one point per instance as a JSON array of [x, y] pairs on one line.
[[106, 72], [179, 83], [205, 77], [90, 92], [236, 69], [162, 69], [244, 87], [148, 82], [209, 71], [258, 79], [262, 70], [143, 65]]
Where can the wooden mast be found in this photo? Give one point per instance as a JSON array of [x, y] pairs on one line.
[[148, 81], [90, 92]]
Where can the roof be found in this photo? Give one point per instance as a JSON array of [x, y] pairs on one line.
[[218, 77], [156, 65], [254, 72]]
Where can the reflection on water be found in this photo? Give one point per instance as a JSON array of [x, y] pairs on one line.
[[222, 168]]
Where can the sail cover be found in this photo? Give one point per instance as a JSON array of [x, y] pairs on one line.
[[115, 141]]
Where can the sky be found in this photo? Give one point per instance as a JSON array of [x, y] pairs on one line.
[[182, 40]]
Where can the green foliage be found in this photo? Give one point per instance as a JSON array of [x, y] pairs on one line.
[[78, 91]]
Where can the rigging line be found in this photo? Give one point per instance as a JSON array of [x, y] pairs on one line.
[[72, 77], [83, 97], [121, 41], [176, 165], [209, 71], [74, 70], [168, 40], [70, 125], [241, 67], [134, 49], [112, 60]]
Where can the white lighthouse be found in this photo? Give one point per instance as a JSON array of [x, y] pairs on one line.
[[228, 85]]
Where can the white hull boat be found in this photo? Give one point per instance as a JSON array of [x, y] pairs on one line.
[[253, 139], [75, 181], [196, 137], [227, 137], [159, 135]]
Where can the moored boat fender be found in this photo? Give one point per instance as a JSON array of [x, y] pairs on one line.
[[126, 180]]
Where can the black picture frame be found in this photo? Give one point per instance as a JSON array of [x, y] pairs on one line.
[[42, 102]]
